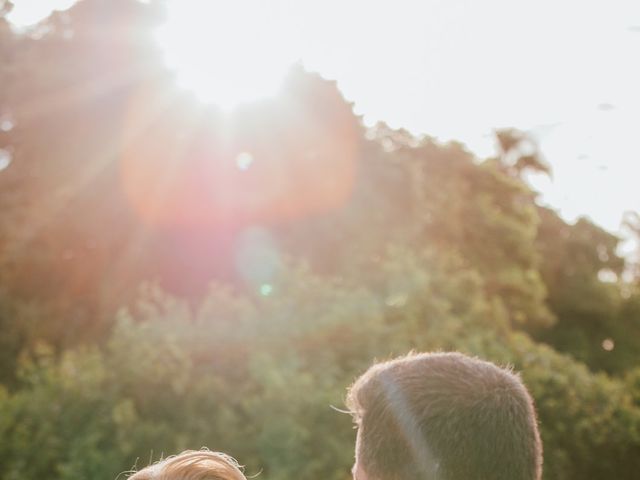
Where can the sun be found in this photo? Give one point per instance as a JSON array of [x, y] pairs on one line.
[[228, 52]]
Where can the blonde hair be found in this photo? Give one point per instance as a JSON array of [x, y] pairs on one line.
[[192, 465]]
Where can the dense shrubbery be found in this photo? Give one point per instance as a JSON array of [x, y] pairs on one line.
[[434, 249], [246, 374]]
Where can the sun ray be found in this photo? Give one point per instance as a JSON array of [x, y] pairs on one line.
[[140, 234], [50, 103]]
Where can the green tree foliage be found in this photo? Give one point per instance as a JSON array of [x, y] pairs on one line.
[[249, 377], [598, 318], [415, 192], [423, 246]]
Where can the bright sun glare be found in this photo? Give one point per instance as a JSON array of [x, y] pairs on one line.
[[227, 52]]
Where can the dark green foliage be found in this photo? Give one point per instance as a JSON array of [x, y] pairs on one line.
[[249, 377], [581, 268]]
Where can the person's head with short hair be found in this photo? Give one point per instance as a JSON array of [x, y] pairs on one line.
[[443, 416], [192, 465]]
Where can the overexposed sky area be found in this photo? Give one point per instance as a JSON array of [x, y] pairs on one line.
[[567, 71]]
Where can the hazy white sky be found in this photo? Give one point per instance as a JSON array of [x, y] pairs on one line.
[[566, 70]]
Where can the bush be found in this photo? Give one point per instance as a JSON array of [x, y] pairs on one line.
[[256, 376]]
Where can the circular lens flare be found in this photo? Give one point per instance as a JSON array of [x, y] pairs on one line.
[[278, 161]]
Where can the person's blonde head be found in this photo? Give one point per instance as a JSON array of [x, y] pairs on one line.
[[192, 465]]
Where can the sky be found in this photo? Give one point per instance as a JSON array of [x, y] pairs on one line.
[[566, 71]]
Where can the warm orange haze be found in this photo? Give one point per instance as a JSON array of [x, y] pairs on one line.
[[216, 216], [239, 167]]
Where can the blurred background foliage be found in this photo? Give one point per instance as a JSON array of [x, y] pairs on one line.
[[123, 340]]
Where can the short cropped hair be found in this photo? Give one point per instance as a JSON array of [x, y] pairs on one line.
[[444, 416], [192, 465]]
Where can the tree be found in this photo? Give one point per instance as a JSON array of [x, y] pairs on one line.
[[581, 267], [256, 376], [519, 152], [345, 245]]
